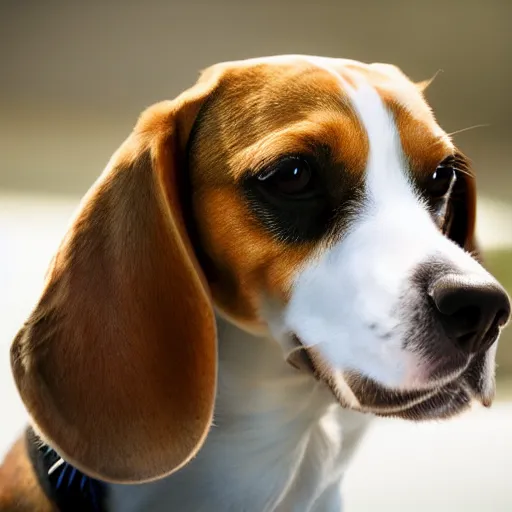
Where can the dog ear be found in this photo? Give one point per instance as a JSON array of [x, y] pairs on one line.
[[117, 363]]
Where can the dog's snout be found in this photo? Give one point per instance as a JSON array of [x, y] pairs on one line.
[[470, 311]]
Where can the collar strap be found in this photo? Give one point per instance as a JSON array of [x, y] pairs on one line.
[[66, 486]]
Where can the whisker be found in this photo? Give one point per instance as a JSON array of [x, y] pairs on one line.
[[463, 171], [442, 139], [425, 84], [439, 140], [462, 130]]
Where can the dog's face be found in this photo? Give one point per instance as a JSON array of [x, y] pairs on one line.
[[335, 212], [313, 200]]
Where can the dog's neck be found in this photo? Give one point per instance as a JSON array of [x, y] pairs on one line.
[[255, 381], [279, 441]]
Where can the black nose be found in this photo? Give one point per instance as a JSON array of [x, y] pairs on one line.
[[471, 311]]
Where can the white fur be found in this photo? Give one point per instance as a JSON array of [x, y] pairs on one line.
[[279, 442], [358, 282]]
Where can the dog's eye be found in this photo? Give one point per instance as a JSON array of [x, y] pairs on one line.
[[441, 180], [291, 177], [290, 198], [440, 188]]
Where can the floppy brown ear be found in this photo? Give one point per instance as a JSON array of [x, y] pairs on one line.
[[117, 363]]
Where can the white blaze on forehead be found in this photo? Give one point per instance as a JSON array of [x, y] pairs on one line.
[[390, 79], [346, 302], [397, 217], [385, 166]]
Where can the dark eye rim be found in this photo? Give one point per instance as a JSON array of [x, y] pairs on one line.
[[448, 175], [454, 224], [263, 179]]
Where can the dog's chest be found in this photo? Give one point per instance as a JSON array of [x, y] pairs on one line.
[[279, 443], [254, 474]]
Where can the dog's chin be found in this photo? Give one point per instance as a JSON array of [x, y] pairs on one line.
[[444, 402], [445, 398]]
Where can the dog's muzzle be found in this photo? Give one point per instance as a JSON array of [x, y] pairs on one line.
[[455, 320]]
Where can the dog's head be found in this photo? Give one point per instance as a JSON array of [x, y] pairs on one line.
[[314, 200]]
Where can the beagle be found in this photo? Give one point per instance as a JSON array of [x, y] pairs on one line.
[[268, 261]]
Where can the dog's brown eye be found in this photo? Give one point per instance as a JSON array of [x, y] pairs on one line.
[[440, 189], [290, 177], [441, 180], [288, 196]]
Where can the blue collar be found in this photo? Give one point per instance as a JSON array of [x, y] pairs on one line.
[[66, 486]]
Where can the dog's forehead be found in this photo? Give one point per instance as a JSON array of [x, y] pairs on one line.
[[387, 79], [264, 109], [276, 105]]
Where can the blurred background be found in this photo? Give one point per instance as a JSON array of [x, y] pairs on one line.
[[75, 76]]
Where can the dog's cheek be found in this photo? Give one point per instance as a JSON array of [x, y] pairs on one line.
[[244, 263]]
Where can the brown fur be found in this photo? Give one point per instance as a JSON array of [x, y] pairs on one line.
[[117, 363], [19, 488], [258, 115]]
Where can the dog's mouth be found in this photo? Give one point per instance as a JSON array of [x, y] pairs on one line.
[[355, 391], [300, 359]]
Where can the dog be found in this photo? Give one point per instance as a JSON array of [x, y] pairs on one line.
[[281, 253]]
